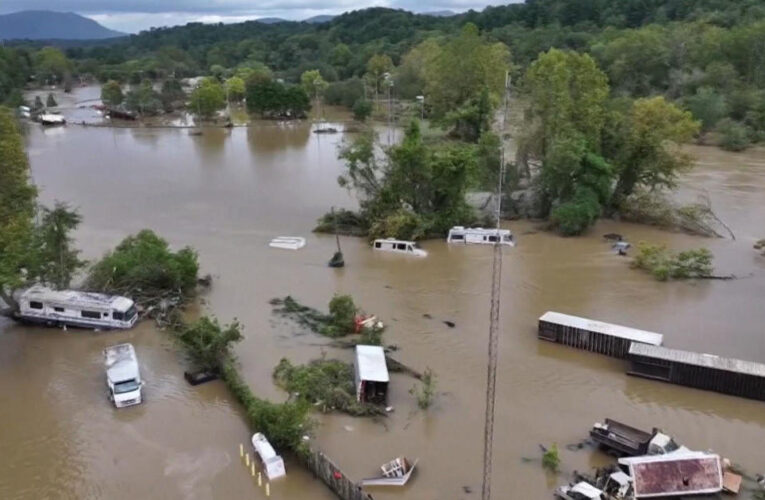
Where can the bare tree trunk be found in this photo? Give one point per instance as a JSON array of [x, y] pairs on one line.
[[9, 306]]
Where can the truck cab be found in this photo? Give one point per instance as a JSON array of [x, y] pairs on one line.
[[123, 378]]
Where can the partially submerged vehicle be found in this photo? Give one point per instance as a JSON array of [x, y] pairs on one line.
[[675, 474], [123, 378], [40, 304], [272, 463], [371, 374], [480, 236], [394, 473], [579, 491], [288, 242], [51, 119], [629, 441], [399, 246]]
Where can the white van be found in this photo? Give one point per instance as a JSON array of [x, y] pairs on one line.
[[123, 378], [272, 463], [399, 246], [480, 236], [69, 307]]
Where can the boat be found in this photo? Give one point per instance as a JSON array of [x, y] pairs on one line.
[[394, 473], [51, 119], [272, 463], [40, 304], [399, 246], [480, 236], [288, 242]]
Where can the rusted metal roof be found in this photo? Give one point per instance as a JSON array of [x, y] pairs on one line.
[[692, 473], [591, 325], [698, 359]]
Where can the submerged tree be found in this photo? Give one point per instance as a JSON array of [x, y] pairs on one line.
[[111, 93], [51, 101], [207, 98], [59, 260]]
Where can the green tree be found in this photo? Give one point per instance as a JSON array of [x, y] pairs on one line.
[[143, 99], [59, 259], [17, 207], [172, 94], [649, 154], [51, 101], [111, 93], [235, 89], [377, 67], [207, 98], [733, 136], [274, 99], [707, 106], [362, 109], [209, 344], [50, 65]]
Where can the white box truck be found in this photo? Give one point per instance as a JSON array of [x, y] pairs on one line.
[[123, 377]]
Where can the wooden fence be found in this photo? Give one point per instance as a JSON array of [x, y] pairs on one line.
[[335, 479]]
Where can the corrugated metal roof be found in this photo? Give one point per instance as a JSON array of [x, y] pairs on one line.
[[675, 474], [370, 360], [624, 332], [699, 359]]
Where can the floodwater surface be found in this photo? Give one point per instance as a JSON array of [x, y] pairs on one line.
[[227, 193]]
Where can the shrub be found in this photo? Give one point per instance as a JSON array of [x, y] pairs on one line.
[[344, 93], [208, 344], [426, 392], [664, 265], [551, 459], [342, 312], [733, 135], [402, 225], [362, 109], [575, 216]]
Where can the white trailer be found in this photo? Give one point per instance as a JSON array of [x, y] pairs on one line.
[[123, 378], [272, 463], [73, 308], [480, 236], [371, 374]]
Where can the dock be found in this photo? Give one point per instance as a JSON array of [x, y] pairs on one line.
[[702, 371], [594, 336]]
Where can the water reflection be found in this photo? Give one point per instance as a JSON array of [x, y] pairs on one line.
[[273, 137]]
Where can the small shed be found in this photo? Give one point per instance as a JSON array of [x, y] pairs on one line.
[[371, 374]]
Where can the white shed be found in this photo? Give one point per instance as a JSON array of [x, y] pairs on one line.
[[371, 374]]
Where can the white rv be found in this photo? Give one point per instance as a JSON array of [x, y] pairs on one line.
[[399, 246], [123, 378], [480, 236], [68, 307], [52, 119], [273, 463]]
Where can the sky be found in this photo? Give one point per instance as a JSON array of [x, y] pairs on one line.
[[133, 16]]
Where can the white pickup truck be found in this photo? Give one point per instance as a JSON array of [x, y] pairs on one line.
[[123, 378]]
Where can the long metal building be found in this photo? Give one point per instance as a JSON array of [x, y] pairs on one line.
[[702, 371], [594, 336]]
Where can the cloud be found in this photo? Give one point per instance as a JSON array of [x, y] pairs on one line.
[[136, 15]]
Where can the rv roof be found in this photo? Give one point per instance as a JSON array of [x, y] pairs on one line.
[[77, 298], [698, 359], [370, 360], [691, 473], [393, 240], [604, 328], [479, 230]]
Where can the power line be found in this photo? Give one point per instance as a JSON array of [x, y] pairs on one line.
[[496, 282]]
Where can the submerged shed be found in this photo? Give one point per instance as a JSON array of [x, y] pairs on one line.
[[702, 371], [675, 474], [591, 335], [371, 374]]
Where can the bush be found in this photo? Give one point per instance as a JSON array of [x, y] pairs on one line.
[[344, 93], [342, 312], [733, 135], [208, 344], [326, 384], [402, 225], [427, 390], [144, 267], [343, 222], [574, 217], [362, 109], [551, 459], [664, 265]]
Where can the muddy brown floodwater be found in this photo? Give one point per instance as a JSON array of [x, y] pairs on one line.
[[227, 193]]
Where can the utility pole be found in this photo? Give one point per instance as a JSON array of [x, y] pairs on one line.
[[496, 286]]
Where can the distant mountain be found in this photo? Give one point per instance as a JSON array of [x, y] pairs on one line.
[[271, 20], [319, 19], [440, 13], [49, 25]]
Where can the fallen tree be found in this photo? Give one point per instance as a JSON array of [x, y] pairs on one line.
[[665, 265]]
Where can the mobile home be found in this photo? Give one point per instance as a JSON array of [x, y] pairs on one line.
[[480, 236], [399, 246], [73, 308]]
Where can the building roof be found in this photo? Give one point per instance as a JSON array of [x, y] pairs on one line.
[[674, 474], [603, 328], [77, 298], [699, 359], [370, 362]]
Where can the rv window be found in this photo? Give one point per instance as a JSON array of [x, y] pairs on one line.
[[458, 236], [35, 305], [409, 248], [507, 237], [400, 246], [58, 309], [91, 314], [492, 238], [106, 315], [117, 315], [378, 244]]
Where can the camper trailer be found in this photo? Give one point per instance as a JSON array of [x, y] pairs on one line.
[[371, 374], [399, 246], [123, 378], [73, 308], [480, 236]]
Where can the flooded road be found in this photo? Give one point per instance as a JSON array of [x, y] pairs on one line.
[[227, 193]]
